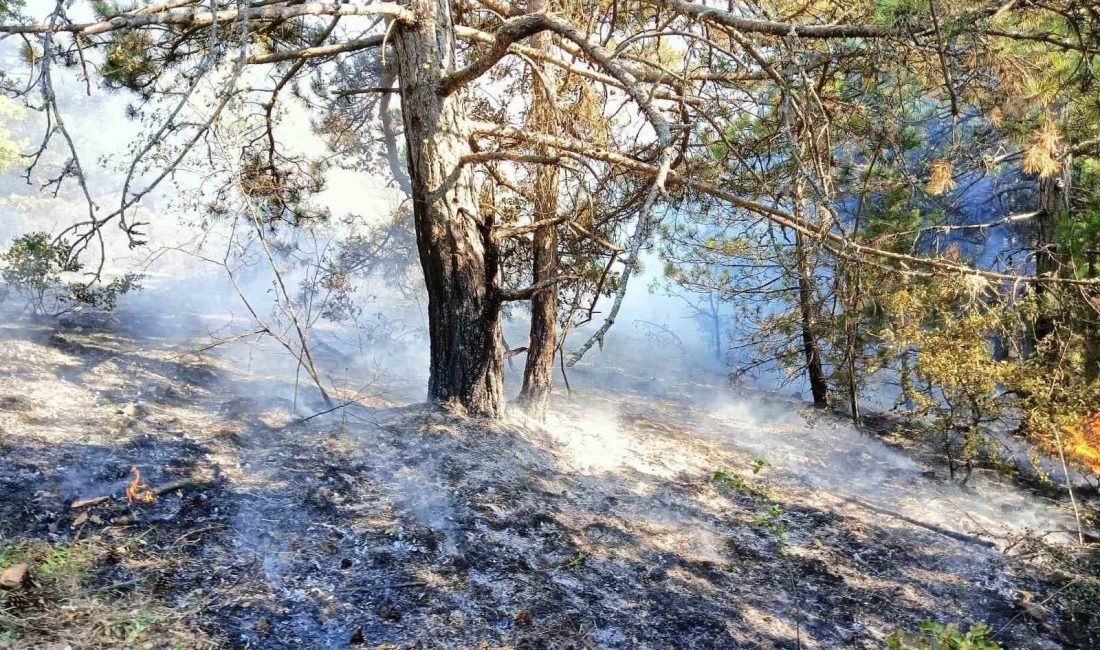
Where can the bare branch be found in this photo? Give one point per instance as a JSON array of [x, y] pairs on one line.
[[318, 52], [526, 293], [514, 29]]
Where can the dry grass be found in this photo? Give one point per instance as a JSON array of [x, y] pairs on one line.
[[62, 606]]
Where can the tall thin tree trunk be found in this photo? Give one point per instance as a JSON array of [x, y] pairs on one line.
[[819, 386], [853, 386], [1092, 331], [716, 326], [538, 373], [905, 376], [1054, 202], [457, 254], [850, 287]]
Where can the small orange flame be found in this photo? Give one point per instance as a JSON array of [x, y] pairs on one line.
[[138, 492]]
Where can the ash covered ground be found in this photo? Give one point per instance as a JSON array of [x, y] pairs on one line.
[[662, 514]]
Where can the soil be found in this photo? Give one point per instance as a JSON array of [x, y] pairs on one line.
[[383, 525]]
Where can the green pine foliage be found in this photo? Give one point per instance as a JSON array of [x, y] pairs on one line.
[[36, 266]]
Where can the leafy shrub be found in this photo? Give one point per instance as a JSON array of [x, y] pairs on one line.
[[937, 636], [34, 267], [771, 514]]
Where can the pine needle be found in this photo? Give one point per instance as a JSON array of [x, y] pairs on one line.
[[1039, 157], [941, 179]]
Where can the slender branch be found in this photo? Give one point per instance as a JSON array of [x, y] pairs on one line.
[[788, 30], [367, 90], [594, 237], [318, 52], [203, 17], [514, 29], [389, 118], [166, 126], [518, 231], [637, 240], [469, 33], [488, 156], [526, 293]]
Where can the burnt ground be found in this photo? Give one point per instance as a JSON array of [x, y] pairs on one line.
[[388, 526]]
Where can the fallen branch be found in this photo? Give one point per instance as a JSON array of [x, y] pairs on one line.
[[180, 484], [399, 585], [159, 490], [947, 532]]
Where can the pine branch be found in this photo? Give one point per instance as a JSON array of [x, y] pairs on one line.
[[318, 52], [837, 244], [526, 293], [203, 17]]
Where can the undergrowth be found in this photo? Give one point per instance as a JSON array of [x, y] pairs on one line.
[[62, 605], [939, 636], [769, 514]]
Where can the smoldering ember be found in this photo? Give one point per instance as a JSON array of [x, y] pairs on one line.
[[549, 324]]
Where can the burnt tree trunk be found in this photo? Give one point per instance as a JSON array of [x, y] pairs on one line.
[[819, 386], [1054, 202], [457, 254], [538, 373]]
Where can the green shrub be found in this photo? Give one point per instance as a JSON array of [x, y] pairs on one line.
[[771, 516], [34, 266], [937, 636]]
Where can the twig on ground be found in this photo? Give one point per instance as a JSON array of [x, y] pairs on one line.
[[159, 490]]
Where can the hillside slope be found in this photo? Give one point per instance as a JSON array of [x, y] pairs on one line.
[[708, 521]]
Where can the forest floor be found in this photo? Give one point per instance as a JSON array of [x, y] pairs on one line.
[[627, 521]]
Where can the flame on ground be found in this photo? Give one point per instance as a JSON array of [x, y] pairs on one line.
[[138, 492], [1083, 442]]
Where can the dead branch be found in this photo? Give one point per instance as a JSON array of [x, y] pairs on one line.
[[170, 486], [318, 52], [953, 534]]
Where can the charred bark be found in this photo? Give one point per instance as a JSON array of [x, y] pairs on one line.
[[819, 386], [1054, 202], [456, 250]]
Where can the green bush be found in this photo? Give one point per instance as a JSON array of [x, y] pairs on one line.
[[34, 266], [937, 636]]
